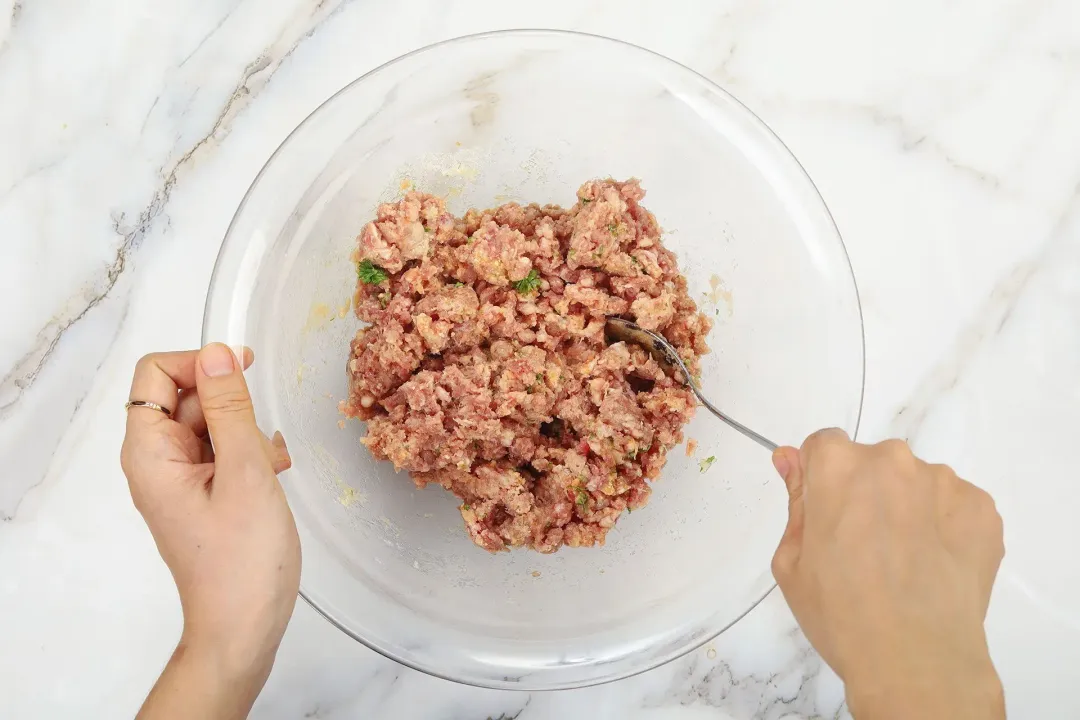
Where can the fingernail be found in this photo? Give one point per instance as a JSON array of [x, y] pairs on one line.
[[780, 462], [216, 360], [278, 439]]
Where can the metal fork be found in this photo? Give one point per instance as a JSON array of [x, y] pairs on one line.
[[619, 329]]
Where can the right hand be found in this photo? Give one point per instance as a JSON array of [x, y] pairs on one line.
[[887, 563]]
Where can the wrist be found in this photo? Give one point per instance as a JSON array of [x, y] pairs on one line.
[[201, 682], [238, 662], [939, 694]]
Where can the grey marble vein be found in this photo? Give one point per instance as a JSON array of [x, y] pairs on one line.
[[989, 320], [25, 371], [209, 34], [37, 170], [791, 690], [910, 136], [253, 79], [377, 687], [13, 20]]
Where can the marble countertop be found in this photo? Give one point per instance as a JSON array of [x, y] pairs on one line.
[[945, 138]]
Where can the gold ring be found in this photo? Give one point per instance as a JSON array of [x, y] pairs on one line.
[[153, 406]]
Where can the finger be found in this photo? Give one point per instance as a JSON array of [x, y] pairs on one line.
[[206, 451], [157, 378], [823, 457], [822, 439], [970, 524], [189, 411], [786, 462], [827, 459], [278, 453], [226, 407]]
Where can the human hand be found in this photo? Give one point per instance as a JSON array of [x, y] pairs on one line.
[[887, 563], [220, 521]]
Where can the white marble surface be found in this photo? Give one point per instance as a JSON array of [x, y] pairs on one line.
[[945, 137]]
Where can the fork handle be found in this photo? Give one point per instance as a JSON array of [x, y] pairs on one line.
[[756, 437]]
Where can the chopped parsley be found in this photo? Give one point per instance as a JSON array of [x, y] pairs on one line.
[[529, 283], [585, 201], [582, 498], [613, 229], [539, 377], [705, 464], [371, 274], [384, 299], [459, 284], [466, 506]]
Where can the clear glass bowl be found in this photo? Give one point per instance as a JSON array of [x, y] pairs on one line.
[[528, 116]]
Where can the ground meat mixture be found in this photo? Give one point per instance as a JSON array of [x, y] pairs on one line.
[[484, 367]]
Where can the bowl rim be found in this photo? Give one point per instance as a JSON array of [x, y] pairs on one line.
[[707, 637]]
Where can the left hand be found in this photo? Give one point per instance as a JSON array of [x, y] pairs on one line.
[[217, 512]]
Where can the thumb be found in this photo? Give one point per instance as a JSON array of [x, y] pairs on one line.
[[226, 405], [787, 463]]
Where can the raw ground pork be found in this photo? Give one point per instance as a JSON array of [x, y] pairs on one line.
[[485, 369]]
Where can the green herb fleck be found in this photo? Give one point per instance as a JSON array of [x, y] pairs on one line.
[[384, 299], [629, 509], [539, 377], [529, 283], [705, 464], [467, 506], [371, 274], [582, 497], [585, 201], [459, 284], [635, 260]]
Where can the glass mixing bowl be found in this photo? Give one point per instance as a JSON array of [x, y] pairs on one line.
[[528, 116]]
